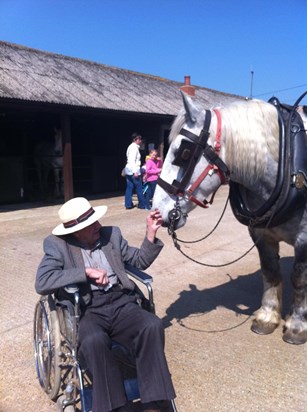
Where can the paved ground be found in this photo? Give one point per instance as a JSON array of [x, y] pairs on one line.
[[217, 363]]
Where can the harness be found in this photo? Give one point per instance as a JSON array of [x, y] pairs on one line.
[[289, 193], [187, 157]]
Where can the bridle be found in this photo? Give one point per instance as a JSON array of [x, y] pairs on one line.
[[187, 157]]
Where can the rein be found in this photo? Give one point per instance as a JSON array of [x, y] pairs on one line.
[[174, 216], [208, 234], [178, 247]]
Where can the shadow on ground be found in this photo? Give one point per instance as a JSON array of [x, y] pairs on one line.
[[241, 295]]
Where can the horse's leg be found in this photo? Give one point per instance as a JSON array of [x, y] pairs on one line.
[[267, 318], [296, 324]]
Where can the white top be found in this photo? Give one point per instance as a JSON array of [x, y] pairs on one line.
[[133, 159]]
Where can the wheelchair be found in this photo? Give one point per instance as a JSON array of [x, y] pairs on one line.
[[60, 372]]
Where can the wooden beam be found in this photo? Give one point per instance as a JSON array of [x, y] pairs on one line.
[[67, 167]]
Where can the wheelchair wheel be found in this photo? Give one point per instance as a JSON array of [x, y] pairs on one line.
[[47, 345]]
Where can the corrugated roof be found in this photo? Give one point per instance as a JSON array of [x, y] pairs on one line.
[[38, 76]]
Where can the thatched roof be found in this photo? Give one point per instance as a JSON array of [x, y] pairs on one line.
[[37, 76]]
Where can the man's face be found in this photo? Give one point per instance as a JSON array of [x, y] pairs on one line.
[[89, 235]]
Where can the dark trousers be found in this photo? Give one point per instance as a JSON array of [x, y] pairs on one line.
[[116, 316]]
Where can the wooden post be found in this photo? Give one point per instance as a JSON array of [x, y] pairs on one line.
[[67, 166]]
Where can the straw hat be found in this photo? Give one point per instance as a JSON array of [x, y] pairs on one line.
[[76, 214]]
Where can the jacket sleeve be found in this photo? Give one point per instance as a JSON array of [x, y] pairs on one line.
[[141, 257], [56, 269]]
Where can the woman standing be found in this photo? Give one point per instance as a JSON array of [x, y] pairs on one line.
[[133, 173]]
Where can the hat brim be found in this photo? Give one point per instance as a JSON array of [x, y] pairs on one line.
[[60, 230]]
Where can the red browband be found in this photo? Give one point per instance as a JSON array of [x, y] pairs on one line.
[[79, 219]]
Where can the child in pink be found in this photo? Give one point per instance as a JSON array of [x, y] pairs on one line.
[[153, 169]]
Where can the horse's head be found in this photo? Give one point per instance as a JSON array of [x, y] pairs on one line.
[[192, 169]]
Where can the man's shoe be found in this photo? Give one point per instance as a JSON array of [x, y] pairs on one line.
[[152, 410], [124, 408], [158, 406], [151, 407]]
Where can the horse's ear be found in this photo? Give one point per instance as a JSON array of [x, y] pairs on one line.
[[189, 106]]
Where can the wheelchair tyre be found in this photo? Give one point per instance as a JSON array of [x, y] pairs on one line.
[[47, 346]]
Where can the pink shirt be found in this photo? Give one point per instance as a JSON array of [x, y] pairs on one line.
[[153, 169]]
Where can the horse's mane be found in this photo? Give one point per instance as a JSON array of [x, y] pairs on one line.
[[250, 129], [252, 136]]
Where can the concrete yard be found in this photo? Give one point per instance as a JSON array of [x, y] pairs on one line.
[[216, 362]]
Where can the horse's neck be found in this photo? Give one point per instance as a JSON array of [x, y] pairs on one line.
[[250, 141]]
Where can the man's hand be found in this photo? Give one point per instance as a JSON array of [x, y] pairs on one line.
[[99, 276], [154, 222]]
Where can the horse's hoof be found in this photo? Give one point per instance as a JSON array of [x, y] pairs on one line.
[[295, 338], [263, 328]]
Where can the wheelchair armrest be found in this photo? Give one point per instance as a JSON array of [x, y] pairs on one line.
[[145, 279], [73, 288], [138, 274]]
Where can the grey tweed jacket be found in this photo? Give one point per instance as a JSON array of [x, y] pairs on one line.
[[62, 263]]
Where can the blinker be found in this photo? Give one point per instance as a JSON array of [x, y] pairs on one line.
[[184, 153]]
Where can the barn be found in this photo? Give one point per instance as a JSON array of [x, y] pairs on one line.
[[95, 108]]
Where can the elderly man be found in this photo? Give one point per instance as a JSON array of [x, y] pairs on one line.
[[81, 251]]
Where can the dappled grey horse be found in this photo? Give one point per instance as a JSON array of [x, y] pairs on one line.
[[260, 149]]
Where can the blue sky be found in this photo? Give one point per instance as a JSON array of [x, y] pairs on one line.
[[217, 42]]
